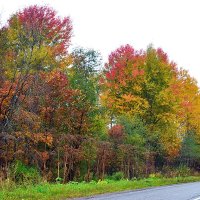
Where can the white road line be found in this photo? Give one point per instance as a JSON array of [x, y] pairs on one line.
[[198, 198]]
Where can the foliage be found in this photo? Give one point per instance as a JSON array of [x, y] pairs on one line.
[[23, 174], [117, 176], [182, 171], [73, 122], [48, 191]]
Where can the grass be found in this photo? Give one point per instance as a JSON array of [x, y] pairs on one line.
[[48, 191]]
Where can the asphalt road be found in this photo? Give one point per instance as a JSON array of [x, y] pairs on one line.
[[186, 191]]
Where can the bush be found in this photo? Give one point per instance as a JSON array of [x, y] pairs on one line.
[[102, 182], [73, 182], [93, 182], [117, 176], [8, 185], [182, 171], [155, 175], [59, 180], [23, 174]]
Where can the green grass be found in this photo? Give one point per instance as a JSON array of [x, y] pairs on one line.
[[61, 191]]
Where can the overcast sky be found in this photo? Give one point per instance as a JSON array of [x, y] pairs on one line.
[[105, 25]]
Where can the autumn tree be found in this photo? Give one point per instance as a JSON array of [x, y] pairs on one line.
[[122, 80], [83, 77], [139, 83], [34, 42], [61, 114], [37, 40]]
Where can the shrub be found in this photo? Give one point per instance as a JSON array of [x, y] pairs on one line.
[[102, 182], [73, 182], [59, 180], [155, 175], [7, 184], [93, 182], [117, 176], [182, 170], [23, 174]]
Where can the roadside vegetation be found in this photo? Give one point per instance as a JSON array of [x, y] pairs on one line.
[[47, 191], [67, 118]]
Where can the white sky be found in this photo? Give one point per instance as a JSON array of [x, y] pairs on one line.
[[107, 24]]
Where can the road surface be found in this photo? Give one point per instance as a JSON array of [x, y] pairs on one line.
[[186, 191]]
